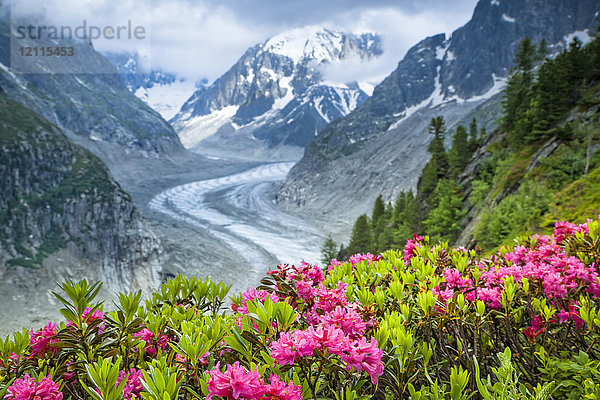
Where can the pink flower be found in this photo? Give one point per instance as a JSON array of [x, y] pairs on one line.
[[42, 340], [235, 383], [536, 328], [443, 295], [333, 264], [305, 289], [27, 389], [411, 246], [454, 279], [133, 387], [305, 343], [153, 341], [278, 390], [347, 319], [364, 356], [251, 294], [491, 297], [282, 350]]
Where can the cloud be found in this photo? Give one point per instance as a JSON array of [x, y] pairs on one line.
[[203, 38]]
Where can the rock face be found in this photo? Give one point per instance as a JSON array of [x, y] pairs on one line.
[[381, 146], [93, 104], [275, 96], [56, 195]]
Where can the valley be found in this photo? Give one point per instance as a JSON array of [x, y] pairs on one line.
[[238, 214]]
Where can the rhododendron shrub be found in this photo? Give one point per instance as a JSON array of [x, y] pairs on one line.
[[425, 322]]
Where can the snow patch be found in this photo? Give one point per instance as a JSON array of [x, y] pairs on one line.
[[319, 109], [284, 83], [194, 130], [167, 99], [497, 87], [310, 42], [507, 18], [495, 2], [583, 36], [440, 52], [437, 98], [366, 87]]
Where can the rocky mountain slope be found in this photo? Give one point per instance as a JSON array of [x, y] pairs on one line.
[[275, 100], [83, 95], [59, 200], [381, 146]]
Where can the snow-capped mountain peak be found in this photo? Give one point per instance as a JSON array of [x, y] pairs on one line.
[[276, 95], [307, 43]]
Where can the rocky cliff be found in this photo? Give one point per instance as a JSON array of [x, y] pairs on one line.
[[56, 196]]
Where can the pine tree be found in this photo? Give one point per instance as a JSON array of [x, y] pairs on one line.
[[443, 221], [518, 93], [378, 224], [460, 153], [362, 237], [328, 251], [473, 135], [407, 221], [428, 179], [378, 210], [437, 167]]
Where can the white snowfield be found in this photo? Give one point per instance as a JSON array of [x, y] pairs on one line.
[[240, 211]]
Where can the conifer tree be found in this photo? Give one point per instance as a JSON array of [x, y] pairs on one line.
[[473, 135], [518, 93], [437, 127], [328, 251], [460, 152], [378, 211], [437, 166], [443, 221], [362, 237]]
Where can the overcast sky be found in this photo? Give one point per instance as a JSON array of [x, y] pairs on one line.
[[203, 38]]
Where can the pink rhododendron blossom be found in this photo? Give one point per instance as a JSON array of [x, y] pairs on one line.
[[364, 356], [133, 387], [571, 315], [334, 264], [279, 390], [411, 246], [27, 389], [329, 299], [536, 328], [41, 341], [454, 279], [443, 295], [491, 297], [153, 341], [347, 319], [235, 383], [358, 258], [282, 350], [251, 294]]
